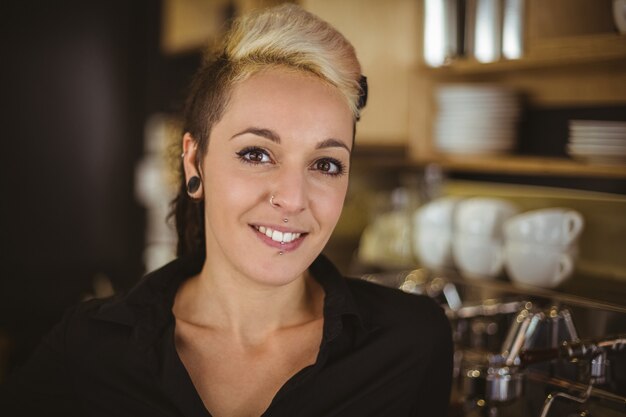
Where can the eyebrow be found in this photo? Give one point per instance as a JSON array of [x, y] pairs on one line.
[[274, 137], [332, 143], [264, 133]]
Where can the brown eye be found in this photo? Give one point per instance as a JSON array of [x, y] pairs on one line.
[[329, 166], [254, 155], [324, 166]]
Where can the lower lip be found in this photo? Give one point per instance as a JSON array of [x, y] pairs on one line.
[[283, 247]]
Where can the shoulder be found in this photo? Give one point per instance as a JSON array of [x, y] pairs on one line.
[[82, 325], [149, 300], [383, 305], [381, 299], [390, 307]]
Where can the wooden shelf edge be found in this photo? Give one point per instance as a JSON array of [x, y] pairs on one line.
[[507, 164], [397, 156], [545, 53]]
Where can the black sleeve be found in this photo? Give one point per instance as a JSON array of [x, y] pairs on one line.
[[435, 385], [43, 386]]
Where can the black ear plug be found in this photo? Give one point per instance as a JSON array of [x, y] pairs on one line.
[[193, 184]]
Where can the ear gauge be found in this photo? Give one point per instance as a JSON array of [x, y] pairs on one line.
[[362, 92], [193, 184], [362, 96]]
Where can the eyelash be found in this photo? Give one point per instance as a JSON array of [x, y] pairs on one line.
[[340, 167], [243, 156]]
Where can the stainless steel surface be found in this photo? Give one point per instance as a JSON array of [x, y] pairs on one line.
[[551, 397], [578, 343], [487, 25], [441, 25], [513, 29], [504, 384]]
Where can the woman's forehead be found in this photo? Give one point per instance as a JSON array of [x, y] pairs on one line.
[[280, 99]]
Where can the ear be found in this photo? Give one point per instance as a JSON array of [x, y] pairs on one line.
[[190, 167]]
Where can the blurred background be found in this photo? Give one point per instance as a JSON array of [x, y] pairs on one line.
[[91, 92]]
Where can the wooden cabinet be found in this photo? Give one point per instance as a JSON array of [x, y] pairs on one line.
[[385, 36], [188, 25], [573, 57]]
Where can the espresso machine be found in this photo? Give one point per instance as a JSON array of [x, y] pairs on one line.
[[525, 353]]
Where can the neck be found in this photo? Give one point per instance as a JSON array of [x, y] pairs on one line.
[[249, 311]]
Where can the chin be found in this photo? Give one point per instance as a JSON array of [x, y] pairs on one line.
[[277, 270]]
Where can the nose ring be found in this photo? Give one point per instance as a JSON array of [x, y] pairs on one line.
[[285, 220]]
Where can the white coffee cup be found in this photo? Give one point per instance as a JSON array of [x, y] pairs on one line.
[[483, 216], [551, 226], [438, 212], [478, 257], [433, 229], [539, 265], [433, 246]]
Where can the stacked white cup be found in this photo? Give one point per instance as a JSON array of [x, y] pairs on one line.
[[541, 246], [433, 225], [478, 244]]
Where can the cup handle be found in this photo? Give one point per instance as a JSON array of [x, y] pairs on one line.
[[566, 266], [573, 225]]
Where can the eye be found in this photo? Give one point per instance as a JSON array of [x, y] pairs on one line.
[[254, 155], [329, 166]]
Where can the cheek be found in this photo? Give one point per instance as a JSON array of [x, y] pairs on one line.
[[232, 190], [224, 186], [330, 203]]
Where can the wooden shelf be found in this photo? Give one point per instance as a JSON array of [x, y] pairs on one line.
[[395, 157], [367, 157], [545, 53], [528, 165]]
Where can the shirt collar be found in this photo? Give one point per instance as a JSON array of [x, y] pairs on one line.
[[338, 300], [148, 305]]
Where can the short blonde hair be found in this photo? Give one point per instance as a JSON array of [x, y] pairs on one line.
[[284, 36], [290, 36]]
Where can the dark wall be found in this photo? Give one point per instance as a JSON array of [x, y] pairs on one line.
[[75, 85]]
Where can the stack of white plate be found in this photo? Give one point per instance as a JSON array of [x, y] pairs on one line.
[[476, 119], [597, 141]]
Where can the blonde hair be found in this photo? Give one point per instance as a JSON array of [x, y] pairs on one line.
[[290, 36], [285, 36]]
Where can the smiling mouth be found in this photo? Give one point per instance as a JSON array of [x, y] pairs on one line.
[[278, 236]]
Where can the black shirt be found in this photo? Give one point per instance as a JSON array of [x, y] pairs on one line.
[[383, 353]]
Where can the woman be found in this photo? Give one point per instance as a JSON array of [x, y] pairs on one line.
[[251, 320]]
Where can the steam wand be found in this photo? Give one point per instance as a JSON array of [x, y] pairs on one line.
[[596, 351]]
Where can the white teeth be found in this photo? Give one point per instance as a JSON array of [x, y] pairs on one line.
[[277, 236]]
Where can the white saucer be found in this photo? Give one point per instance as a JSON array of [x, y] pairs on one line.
[[597, 124], [597, 149], [597, 141]]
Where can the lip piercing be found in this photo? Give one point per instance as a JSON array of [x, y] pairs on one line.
[[281, 253], [285, 220]]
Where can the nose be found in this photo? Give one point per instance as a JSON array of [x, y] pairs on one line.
[[289, 192]]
